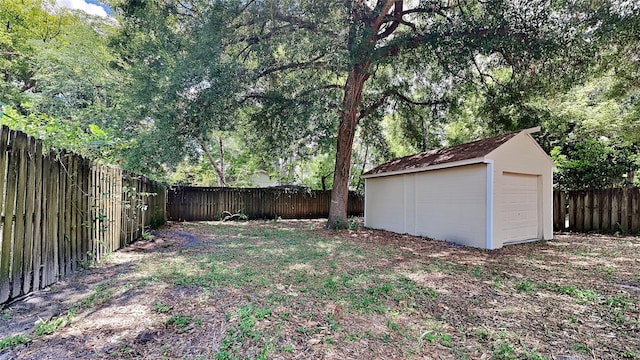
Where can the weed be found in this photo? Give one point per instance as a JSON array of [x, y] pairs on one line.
[[87, 262], [372, 299], [223, 355], [481, 334], [443, 339], [49, 327], [11, 342], [162, 308], [627, 354], [497, 283], [288, 348], [164, 350], [583, 296], [533, 355], [619, 301], [180, 321], [504, 351], [146, 236], [446, 340], [609, 271], [447, 267], [393, 326], [353, 223], [330, 288], [619, 317], [352, 337], [247, 322], [126, 350], [100, 295], [477, 272], [263, 313], [581, 348], [4, 316], [247, 318], [527, 286], [237, 216]]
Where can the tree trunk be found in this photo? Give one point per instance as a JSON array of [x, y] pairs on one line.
[[222, 182], [222, 177], [346, 133]]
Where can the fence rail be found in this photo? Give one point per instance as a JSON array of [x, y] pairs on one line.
[[59, 210], [605, 211], [212, 203]]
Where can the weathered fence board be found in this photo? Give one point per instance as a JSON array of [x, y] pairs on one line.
[[213, 203], [19, 217], [38, 206], [59, 210], [605, 211], [7, 227]]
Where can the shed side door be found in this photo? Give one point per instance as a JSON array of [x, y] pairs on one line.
[[519, 208]]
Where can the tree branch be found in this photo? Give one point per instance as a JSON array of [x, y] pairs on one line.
[[413, 41], [262, 96], [371, 108], [296, 65], [408, 100], [397, 11], [482, 74]]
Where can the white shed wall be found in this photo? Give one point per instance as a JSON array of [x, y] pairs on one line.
[[447, 204], [384, 203], [523, 157], [451, 204]]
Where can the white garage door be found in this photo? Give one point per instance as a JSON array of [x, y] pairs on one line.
[[519, 208]]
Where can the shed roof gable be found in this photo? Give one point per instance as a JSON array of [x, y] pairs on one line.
[[452, 154]]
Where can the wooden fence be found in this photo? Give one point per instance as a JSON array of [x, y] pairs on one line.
[[60, 211], [604, 211], [212, 203]]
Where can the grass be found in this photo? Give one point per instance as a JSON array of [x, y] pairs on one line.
[[294, 290], [320, 271], [182, 322], [162, 308], [247, 318], [11, 342], [48, 327]]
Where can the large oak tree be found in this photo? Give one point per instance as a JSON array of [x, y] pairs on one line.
[[356, 59]]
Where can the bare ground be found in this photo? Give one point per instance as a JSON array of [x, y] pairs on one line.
[[293, 290]]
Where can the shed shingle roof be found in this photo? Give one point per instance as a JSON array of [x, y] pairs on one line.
[[472, 150]]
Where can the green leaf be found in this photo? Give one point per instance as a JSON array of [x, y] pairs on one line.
[[97, 130]]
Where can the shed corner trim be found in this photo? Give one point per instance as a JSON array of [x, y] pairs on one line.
[[489, 211]]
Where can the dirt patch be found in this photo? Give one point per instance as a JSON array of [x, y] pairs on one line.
[[294, 290]]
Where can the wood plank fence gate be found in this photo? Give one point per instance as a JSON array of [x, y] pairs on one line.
[[604, 211], [59, 210]]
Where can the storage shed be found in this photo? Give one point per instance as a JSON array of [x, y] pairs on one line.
[[485, 194]]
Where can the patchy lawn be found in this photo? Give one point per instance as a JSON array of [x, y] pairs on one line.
[[292, 290]]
